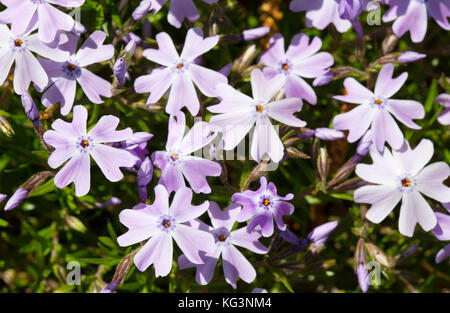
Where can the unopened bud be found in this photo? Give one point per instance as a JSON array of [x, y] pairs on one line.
[[255, 33], [5, 127], [410, 56], [295, 153], [75, 223], [350, 184], [31, 109], [246, 59], [142, 10], [406, 254], [323, 164], [379, 255], [389, 43]]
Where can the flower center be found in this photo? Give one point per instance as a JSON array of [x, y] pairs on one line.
[[179, 65], [18, 43], [285, 66], [71, 67], [259, 108], [378, 101], [165, 223], [406, 182], [174, 156], [84, 144], [266, 202], [222, 238]]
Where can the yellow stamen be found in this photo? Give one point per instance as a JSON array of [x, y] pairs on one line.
[[18, 42], [222, 238], [180, 66], [84, 144], [406, 182], [285, 66], [71, 67], [259, 108], [378, 101], [266, 202]]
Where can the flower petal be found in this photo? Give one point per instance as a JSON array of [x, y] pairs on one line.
[[110, 160], [383, 198], [430, 181], [78, 171], [415, 209], [191, 241]]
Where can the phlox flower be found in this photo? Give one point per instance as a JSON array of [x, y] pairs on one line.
[[412, 16], [178, 11], [262, 206], [64, 74], [444, 100], [162, 223], [73, 144], [234, 262], [177, 162], [375, 110], [180, 72], [239, 112], [403, 175], [18, 48], [442, 232], [321, 13], [26, 14], [300, 60]]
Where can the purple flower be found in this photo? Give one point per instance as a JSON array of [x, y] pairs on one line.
[[363, 276], [324, 79], [239, 112], [410, 56], [111, 287], [320, 234], [364, 144], [234, 263], [300, 60], [376, 110], [31, 109], [255, 33], [179, 10], [444, 100], [262, 206], [73, 143], [179, 72], [16, 199], [412, 16], [177, 162], [137, 146], [403, 175], [120, 67], [25, 15], [321, 13], [65, 73], [18, 48], [161, 224]]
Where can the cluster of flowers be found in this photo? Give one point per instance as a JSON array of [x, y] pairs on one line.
[[278, 91]]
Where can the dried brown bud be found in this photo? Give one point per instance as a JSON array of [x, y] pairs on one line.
[[378, 255], [295, 153], [323, 164]]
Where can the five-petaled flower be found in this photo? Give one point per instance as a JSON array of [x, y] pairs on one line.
[[239, 112], [234, 263], [64, 75], [262, 206], [376, 109], [73, 143], [402, 175], [300, 60], [180, 72], [162, 223], [177, 160]]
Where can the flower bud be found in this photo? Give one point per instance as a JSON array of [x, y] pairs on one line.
[[323, 164], [255, 33], [142, 10], [324, 79], [75, 223], [5, 127], [16, 199], [295, 153], [2, 197], [31, 109], [410, 56], [360, 263], [144, 177], [406, 254], [328, 134], [379, 255], [121, 272], [111, 202], [242, 63], [320, 234], [120, 70]]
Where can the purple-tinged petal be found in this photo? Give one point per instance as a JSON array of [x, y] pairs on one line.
[[191, 241], [320, 234], [415, 209], [105, 130], [62, 92], [171, 178], [297, 87], [266, 141], [414, 160], [206, 79], [283, 111], [51, 20], [362, 113], [93, 51], [223, 218], [182, 93], [27, 70], [181, 9], [357, 93], [383, 198], [182, 209], [301, 47], [235, 264], [430, 181], [110, 160], [442, 229], [241, 237], [78, 171], [16, 199], [405, 111], [195, 45], [443, 254], [255, 33], [410, 56], [363, 277], [384, 128], [157, 251], [282, 209], [314, 65], [275, 53], [328, 134], [196, 170], [161, 204], [157, 83], [94, 86], [386, 85]]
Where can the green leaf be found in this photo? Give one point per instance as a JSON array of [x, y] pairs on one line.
[[432, 94], [3, 223], [44, 189], [283, 279]]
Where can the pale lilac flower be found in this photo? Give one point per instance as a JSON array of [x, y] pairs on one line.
[[162, 223], [376, 109], [301, 59], [178, 11], [137, 146], [26, 14], [255, 33], [410, 56], [17, 198], [73, 144], [177, 163], [328, 134], [239, 112], [121, 64], [31, 110], [65, 73], [321, 13], [18, 48], [412, 16], [179, 72], [402, 175], [444, 100], [262, 206], [442, 232], [234, 263]]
